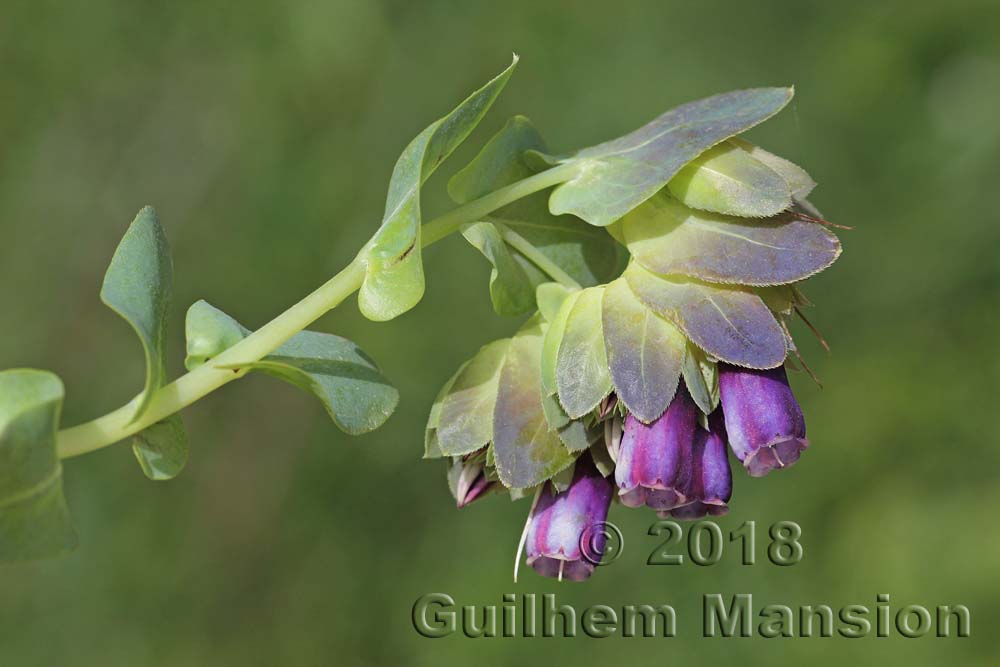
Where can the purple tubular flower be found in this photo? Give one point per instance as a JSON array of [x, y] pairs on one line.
[[566, 531], [711, 479], [764, 422], [654, 461]]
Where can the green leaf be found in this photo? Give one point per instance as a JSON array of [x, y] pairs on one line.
[[34, 521], [465, 423], [799, 182], [618, 175], [335, 370], [209, 332], [586, 254], [726, 179], [574, 433], [701, 377], [667, 237], [780, 299], [511, 290], [432, 450], [645, 352], [582, 376], [394, 274], [137, 286], [162, 449], [526, 450], [730, 323], [550, 346], [550, 298]]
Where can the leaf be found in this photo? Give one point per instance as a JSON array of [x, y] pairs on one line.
[[34, 521], [335, 370], [138, 286], [701, 377], [618, 175], [669, 238], [465, 423], [394, 274], [162, 449], [511, 290], [586, 254], [799, 182], [574, 433], [730, 323], [550, 346], [644, 351], [780, 299], [550, 298], [526, 450], [582, 376], [728, 180], [209, 333], [432, 450]]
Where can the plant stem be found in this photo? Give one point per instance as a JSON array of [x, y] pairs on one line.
[[526, 248], [188, 388]]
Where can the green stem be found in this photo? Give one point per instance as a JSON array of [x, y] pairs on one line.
[[526, 248], [188, 388]]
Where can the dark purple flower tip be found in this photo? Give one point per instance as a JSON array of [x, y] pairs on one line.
[[566, 534], [654, 460], [764, 422]]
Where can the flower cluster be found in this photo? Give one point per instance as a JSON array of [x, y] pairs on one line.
[[633, 386]]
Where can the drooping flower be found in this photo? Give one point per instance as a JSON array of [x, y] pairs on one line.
[[764, 422], [711, 484], [566, 530], [655, 460]]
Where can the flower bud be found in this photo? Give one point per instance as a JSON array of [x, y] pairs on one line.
[[468, 479], [566, 531], [654, 461], [764, 423]]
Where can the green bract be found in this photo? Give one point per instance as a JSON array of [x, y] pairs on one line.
[[669, 238], [34, 522], [394, 272], [582, 377], [618, 175], [526, 450], [727, 179], [644, 352], [730, 323]]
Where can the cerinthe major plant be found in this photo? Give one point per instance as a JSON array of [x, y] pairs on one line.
[[620, 384]]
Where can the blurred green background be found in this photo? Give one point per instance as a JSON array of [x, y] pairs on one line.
[[264, 133]]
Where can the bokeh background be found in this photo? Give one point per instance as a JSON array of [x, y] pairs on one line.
[[264, 133]]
